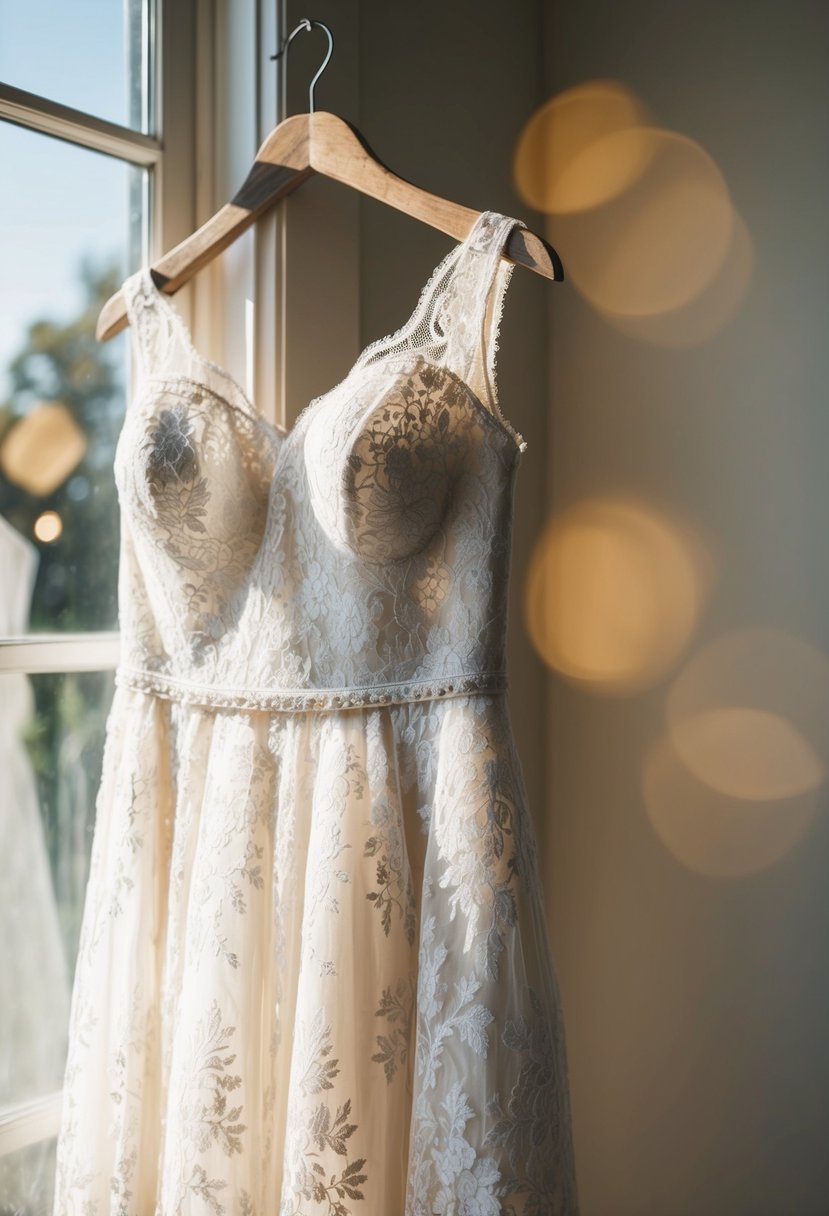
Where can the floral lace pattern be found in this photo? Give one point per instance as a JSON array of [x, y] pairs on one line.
[[314, 976]]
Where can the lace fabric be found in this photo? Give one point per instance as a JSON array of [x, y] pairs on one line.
[[309, 752], [367, 549]]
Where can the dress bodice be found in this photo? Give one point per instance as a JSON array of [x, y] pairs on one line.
[[361, 557]]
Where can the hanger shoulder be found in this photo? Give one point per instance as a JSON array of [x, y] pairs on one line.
[[281, 165], [527, 248], [178, 265]]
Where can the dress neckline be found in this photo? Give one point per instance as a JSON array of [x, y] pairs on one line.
[[453, 259]]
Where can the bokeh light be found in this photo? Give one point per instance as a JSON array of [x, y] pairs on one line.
[[614, 592], [711, 833], [555, 169], [710, 312], [641, 216], [748, 753], [747, 715], [733, 785], [42, 449], [658, 245], [48, 527]]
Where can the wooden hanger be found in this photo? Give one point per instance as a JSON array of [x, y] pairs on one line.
[[318, 142]]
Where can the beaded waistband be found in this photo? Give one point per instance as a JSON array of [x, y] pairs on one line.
[[308, 700]]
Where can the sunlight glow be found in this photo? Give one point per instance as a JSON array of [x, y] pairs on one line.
[[48, 527], [733, 784], [711, 833], [748, 753], [614, 592], [747, 715], [641, 216], [42, 449], [661, 243], [555, 170]]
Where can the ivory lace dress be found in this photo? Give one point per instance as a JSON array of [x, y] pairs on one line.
[[315, 977]]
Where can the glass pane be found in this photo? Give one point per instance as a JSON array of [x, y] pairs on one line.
[[88, 54], [51, 748], [70, 232], [27, 1180]]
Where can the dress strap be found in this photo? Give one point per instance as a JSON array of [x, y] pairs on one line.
[[473, 307], [160, 339], [457, 318]]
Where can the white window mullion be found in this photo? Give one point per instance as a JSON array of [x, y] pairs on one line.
[[76, 127], [40, 653], [30, 1122]]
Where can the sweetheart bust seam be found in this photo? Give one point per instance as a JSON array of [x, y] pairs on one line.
[[516, 440], [159, 379]]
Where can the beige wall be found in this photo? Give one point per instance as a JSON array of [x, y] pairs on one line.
[[697, 998]]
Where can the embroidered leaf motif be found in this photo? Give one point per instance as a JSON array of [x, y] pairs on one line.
[[438, 1019], [319, 1072], [341, 1130], [487, 855], [529, 1125], [463, 1181], [397, 1007], [218, 1123], [392, 874], [352, 1180], [205, 1188], [319, 1132], [471, 1028]]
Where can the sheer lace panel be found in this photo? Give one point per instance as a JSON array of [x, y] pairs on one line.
[[160, 342], [164, 350], [457, 319]]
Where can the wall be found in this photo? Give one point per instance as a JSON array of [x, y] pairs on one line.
[[691, 907]]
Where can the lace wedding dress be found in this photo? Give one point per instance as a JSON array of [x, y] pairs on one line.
[[315, 977]]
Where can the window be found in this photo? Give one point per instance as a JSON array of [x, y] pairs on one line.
[[92, 190]]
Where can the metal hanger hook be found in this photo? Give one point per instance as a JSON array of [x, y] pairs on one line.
[[307, 23]]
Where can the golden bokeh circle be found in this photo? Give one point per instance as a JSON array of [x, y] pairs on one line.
[[613, 593], [553, 170], [659, 244]]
